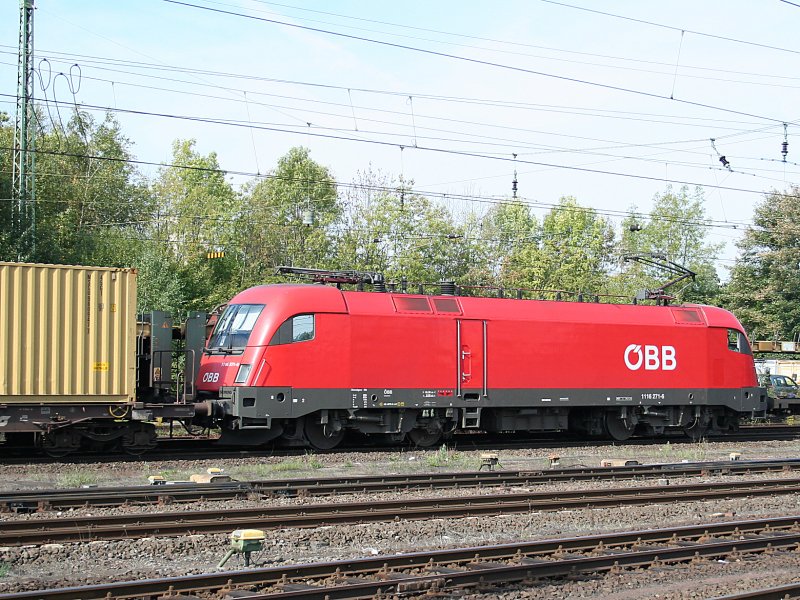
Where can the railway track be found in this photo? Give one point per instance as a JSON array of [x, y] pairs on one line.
[[59, 499], [132, 526], [780, 592], [208, 449], [443, 570]]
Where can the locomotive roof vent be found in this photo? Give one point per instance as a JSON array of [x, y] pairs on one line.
[[447, 288]]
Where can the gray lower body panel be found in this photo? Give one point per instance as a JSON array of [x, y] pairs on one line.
[[267, 403]]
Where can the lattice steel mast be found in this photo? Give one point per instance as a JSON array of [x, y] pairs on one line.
[[23, 190]]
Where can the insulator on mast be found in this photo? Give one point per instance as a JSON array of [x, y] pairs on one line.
[[514, 181], [785, 144]]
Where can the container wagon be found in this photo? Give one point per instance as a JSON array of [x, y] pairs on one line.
[[70, 372]]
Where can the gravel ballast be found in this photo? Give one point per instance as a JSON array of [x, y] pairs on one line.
[[58, 565]]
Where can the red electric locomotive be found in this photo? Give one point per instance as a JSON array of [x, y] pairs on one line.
[[308, 362]]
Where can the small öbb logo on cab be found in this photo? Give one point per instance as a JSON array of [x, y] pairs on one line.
[[652, 358]]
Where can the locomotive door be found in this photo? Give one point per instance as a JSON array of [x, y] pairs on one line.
[[471, 359]]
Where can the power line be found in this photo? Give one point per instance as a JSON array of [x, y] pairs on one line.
[[476, 61], [90, 59], [467, 154], [443, 196], [673, 28], [496, 41], [580, 111], [471, 139]]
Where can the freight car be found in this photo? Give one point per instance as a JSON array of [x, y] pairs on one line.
[[304, 363], [78, 368]]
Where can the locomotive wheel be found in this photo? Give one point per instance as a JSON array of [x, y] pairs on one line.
[[424, 438], [320, 435], [618, 428], [695, 430], [387, 439]]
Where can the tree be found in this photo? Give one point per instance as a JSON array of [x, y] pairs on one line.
[[85, 183], [272, 231], [509, 232], [388, 228], [6, 141], [573, 253], [676, 228], [764, 288], [196, 213]]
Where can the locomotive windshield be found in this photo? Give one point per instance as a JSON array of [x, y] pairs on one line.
[[234, 327]]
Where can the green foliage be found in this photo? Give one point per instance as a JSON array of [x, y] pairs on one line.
[[7, 250], [444, 457], [676, 228], [196, 212], [94, 207], [764, 289], [84, 184], [573, 251], [76, 477], [389, 228], [508, 230], [272, 231], [289, 465]]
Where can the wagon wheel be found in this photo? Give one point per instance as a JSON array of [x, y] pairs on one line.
[[424, 438], [618, 428], [60, 443], [321, 436], [139, 438]]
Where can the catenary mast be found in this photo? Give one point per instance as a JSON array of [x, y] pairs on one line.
[[23, 191]]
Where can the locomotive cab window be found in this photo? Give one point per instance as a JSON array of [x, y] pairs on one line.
[[299, 328], [737, 342], [234, 327]]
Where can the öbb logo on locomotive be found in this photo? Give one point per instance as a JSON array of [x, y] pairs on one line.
[[652, 358]]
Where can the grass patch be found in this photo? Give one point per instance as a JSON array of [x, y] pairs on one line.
[[5, 569], [174, 474], [694, 452], [444, 457], [76, 477], [309, 462]]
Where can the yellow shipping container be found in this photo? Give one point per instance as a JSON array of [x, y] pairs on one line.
[[67, 334]]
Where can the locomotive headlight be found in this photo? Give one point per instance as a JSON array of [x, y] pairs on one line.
[[242, 375]]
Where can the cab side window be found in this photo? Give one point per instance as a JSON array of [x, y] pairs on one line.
[[302, 328], [737, 342], [299, 328]]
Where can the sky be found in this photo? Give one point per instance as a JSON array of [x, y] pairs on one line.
[[608, 102]]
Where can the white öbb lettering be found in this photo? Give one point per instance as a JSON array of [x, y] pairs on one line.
[[210, 377], [652, 358]]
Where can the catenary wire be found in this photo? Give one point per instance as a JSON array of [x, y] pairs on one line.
[[478, 61]]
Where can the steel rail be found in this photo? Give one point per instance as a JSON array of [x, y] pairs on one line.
[[441, 569], [780, 592], [56, 499], [131, 526]]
